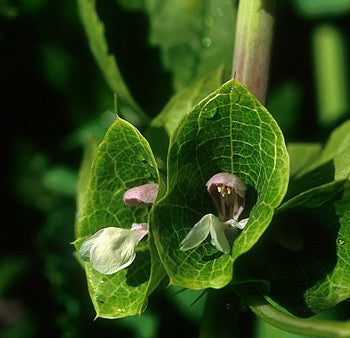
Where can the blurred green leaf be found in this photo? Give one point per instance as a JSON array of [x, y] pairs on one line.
[[11, 269], [228, 131], [31, 6], [38, 184], [314, 197], [123, 160], [189, 302], [221, 315], [331, 163], [144, 326], [8, 11], [57, 66], [331, 73], [317, 8], [84, 172], [194, 36], [79, 137], [337, 143], [284, 103], [95, 32], [60, 180], [164, 124], [302, 155], [132, 4]]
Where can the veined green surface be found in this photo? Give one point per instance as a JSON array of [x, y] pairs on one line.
[[123, 160], [229, 131]]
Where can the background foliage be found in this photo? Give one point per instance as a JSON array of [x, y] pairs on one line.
[[54, 98]]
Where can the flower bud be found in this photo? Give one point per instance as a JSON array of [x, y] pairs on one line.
[[142, 195]]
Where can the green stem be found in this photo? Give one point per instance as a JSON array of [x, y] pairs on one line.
[[251, 59], [290, 323]]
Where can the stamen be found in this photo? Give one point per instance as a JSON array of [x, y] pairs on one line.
[[227, 191]]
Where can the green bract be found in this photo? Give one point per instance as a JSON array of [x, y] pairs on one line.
[[123, 160], [229, 131]]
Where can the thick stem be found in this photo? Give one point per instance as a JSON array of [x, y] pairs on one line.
[[290, 323], [251, 58]]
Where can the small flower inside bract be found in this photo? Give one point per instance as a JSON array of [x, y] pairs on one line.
[[112, 249], [210, 224], [228, 193], [142, 195]]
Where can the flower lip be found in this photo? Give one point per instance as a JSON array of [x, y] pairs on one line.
[[142, 195], [112, 249], [228, 193]]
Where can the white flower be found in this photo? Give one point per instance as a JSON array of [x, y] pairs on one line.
[[210, 224], [112, 249]]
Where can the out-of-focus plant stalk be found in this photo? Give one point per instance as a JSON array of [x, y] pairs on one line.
[[252, 50], [331, 73]]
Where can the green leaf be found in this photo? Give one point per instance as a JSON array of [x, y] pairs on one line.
[[60, 180], [95, 33], [164, 124], [335, 286], [338, 144], [194, 36], [132, 5], [317, 8], [312, 275], [314, 168], [84, 174], [229, 131], [12, 269], [123, 160], [285, 102], [314, 197], [301, 155]]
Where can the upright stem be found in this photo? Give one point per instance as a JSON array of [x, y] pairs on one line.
[[251, 58]]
